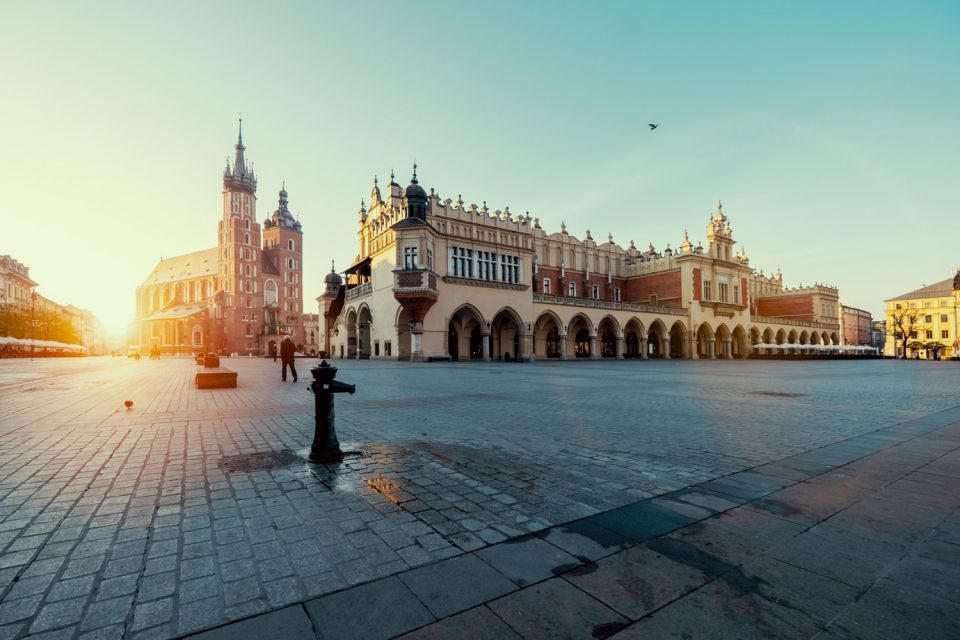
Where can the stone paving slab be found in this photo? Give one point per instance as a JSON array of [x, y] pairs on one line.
[[738, 573], [125, 523]]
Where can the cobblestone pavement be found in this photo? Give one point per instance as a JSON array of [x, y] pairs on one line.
[[128, 523]]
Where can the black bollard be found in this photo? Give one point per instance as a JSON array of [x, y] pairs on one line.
[[326, 447]]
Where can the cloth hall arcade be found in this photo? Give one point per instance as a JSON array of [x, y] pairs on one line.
[[438, 279]]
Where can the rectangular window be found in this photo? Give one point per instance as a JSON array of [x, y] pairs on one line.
[[616, 294], [929, 335], [943, 317], [429, 258], [928, 318], [409, 257], [736, 294], [573, 290], [376, 348], [546, 286], [913, 335], [707, 290], [945, 333], [386, 348], [595, 291], [722, 289]]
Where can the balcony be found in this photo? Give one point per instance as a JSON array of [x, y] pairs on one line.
[[796, 323], [603, 304], [360, 290]]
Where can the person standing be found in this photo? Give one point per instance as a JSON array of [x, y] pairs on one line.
[[287, 350]]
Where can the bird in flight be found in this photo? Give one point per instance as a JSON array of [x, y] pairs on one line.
[[653, 126]]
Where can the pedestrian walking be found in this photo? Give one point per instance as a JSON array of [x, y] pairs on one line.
[[287, 350]]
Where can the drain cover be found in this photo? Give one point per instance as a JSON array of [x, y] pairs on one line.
[[264, 461], [777, 394]]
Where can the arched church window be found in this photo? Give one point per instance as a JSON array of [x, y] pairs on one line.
[[290, 245], [270, 292], [246, 238], [246, 224]]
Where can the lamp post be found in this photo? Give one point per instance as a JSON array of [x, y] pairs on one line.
[[33, 320]]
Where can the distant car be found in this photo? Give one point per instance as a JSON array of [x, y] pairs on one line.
[[133, 353]]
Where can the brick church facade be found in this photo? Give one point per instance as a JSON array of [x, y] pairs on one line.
[[241, 296]]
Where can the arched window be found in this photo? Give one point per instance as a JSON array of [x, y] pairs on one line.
[[246, 224], [246, 239], [270, 293], [290, 245]]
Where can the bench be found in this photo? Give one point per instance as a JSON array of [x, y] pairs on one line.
[[216, 378]]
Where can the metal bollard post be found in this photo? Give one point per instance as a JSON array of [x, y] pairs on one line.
[[326, 447]]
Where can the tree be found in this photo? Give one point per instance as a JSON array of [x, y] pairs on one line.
[[903, 328]]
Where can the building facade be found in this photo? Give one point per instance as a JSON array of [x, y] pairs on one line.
[[927, 318], [16, 286], [856, 326], [241, 296], [438, 279]]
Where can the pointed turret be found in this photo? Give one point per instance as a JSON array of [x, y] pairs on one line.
[[239, 177]]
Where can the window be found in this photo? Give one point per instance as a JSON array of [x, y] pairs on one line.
[[943, 317], [707, 289], [572, 292], [509, 269], [736, 294], [595, 292], [944, 333], [928, 318], [546, 286], [929, 335], [386, 348], [246, 238], [486, 265], [290, 245], [898, 306], [722, 290], [913, 335], [246, 224], [429, 258], [409, 257], [616, 294], [461, 262]]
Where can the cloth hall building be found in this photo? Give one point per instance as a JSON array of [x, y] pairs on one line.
[[437, 279], [241, 296]]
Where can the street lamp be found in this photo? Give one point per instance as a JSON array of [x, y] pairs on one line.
[[33, 320]]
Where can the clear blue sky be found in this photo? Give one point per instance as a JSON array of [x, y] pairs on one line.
[[829, 130]]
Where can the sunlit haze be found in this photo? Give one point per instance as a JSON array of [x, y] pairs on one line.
[[829, 130]]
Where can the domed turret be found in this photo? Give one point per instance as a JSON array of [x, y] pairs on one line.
[[415, 198]]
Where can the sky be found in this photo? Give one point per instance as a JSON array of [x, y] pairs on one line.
[[829, 130]]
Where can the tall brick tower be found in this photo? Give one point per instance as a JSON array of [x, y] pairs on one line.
[[236, 320], [283, 275]]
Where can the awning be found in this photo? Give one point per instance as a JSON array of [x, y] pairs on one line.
[[361, 268]]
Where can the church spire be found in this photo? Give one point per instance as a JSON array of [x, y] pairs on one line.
[[239, 163]]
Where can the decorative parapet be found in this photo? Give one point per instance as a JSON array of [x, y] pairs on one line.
[[490, 284], [359, 291], [602, 304], [796, 323]]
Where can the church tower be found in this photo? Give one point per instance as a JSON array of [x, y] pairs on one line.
[[283, 286], [237, 313]]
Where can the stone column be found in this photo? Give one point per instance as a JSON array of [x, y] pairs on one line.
[[692, 345], [485, 341], [593, 348], [359, 336], [416, 343], [563, 347], [527, 352], [665, 347], [643, 349], [619, 348], [712, 349]]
